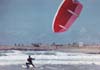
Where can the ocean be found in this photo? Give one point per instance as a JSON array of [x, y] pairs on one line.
[[11, 57], [49, 60]]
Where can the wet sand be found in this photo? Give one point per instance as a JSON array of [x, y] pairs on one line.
[[53, 67]]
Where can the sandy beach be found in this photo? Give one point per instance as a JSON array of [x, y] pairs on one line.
[[63, 48]]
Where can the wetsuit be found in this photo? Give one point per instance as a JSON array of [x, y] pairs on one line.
[[30, 62]]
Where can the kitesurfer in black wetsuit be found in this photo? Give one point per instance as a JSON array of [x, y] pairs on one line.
[[29, 59]]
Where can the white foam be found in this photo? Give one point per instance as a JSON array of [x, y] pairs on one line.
[[19, 57]]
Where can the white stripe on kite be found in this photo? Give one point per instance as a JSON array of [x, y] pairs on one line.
[[73, 13], [62, 27]]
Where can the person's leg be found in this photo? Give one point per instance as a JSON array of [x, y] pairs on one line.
[[33, 65], [27, 64]]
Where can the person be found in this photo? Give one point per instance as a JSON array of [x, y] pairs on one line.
[[29, 59]]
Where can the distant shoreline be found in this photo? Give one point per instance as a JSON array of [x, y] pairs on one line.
[[65, 48]]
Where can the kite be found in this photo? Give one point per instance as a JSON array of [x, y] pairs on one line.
[[67, 13]]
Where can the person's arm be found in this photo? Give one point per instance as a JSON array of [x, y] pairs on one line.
[[33, 58]]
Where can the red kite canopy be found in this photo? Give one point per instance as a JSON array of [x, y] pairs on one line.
[[66, 14]]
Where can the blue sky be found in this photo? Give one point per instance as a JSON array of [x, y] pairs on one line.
[[30, 21]]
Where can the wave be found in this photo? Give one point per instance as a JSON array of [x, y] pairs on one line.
[[12, 57]]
